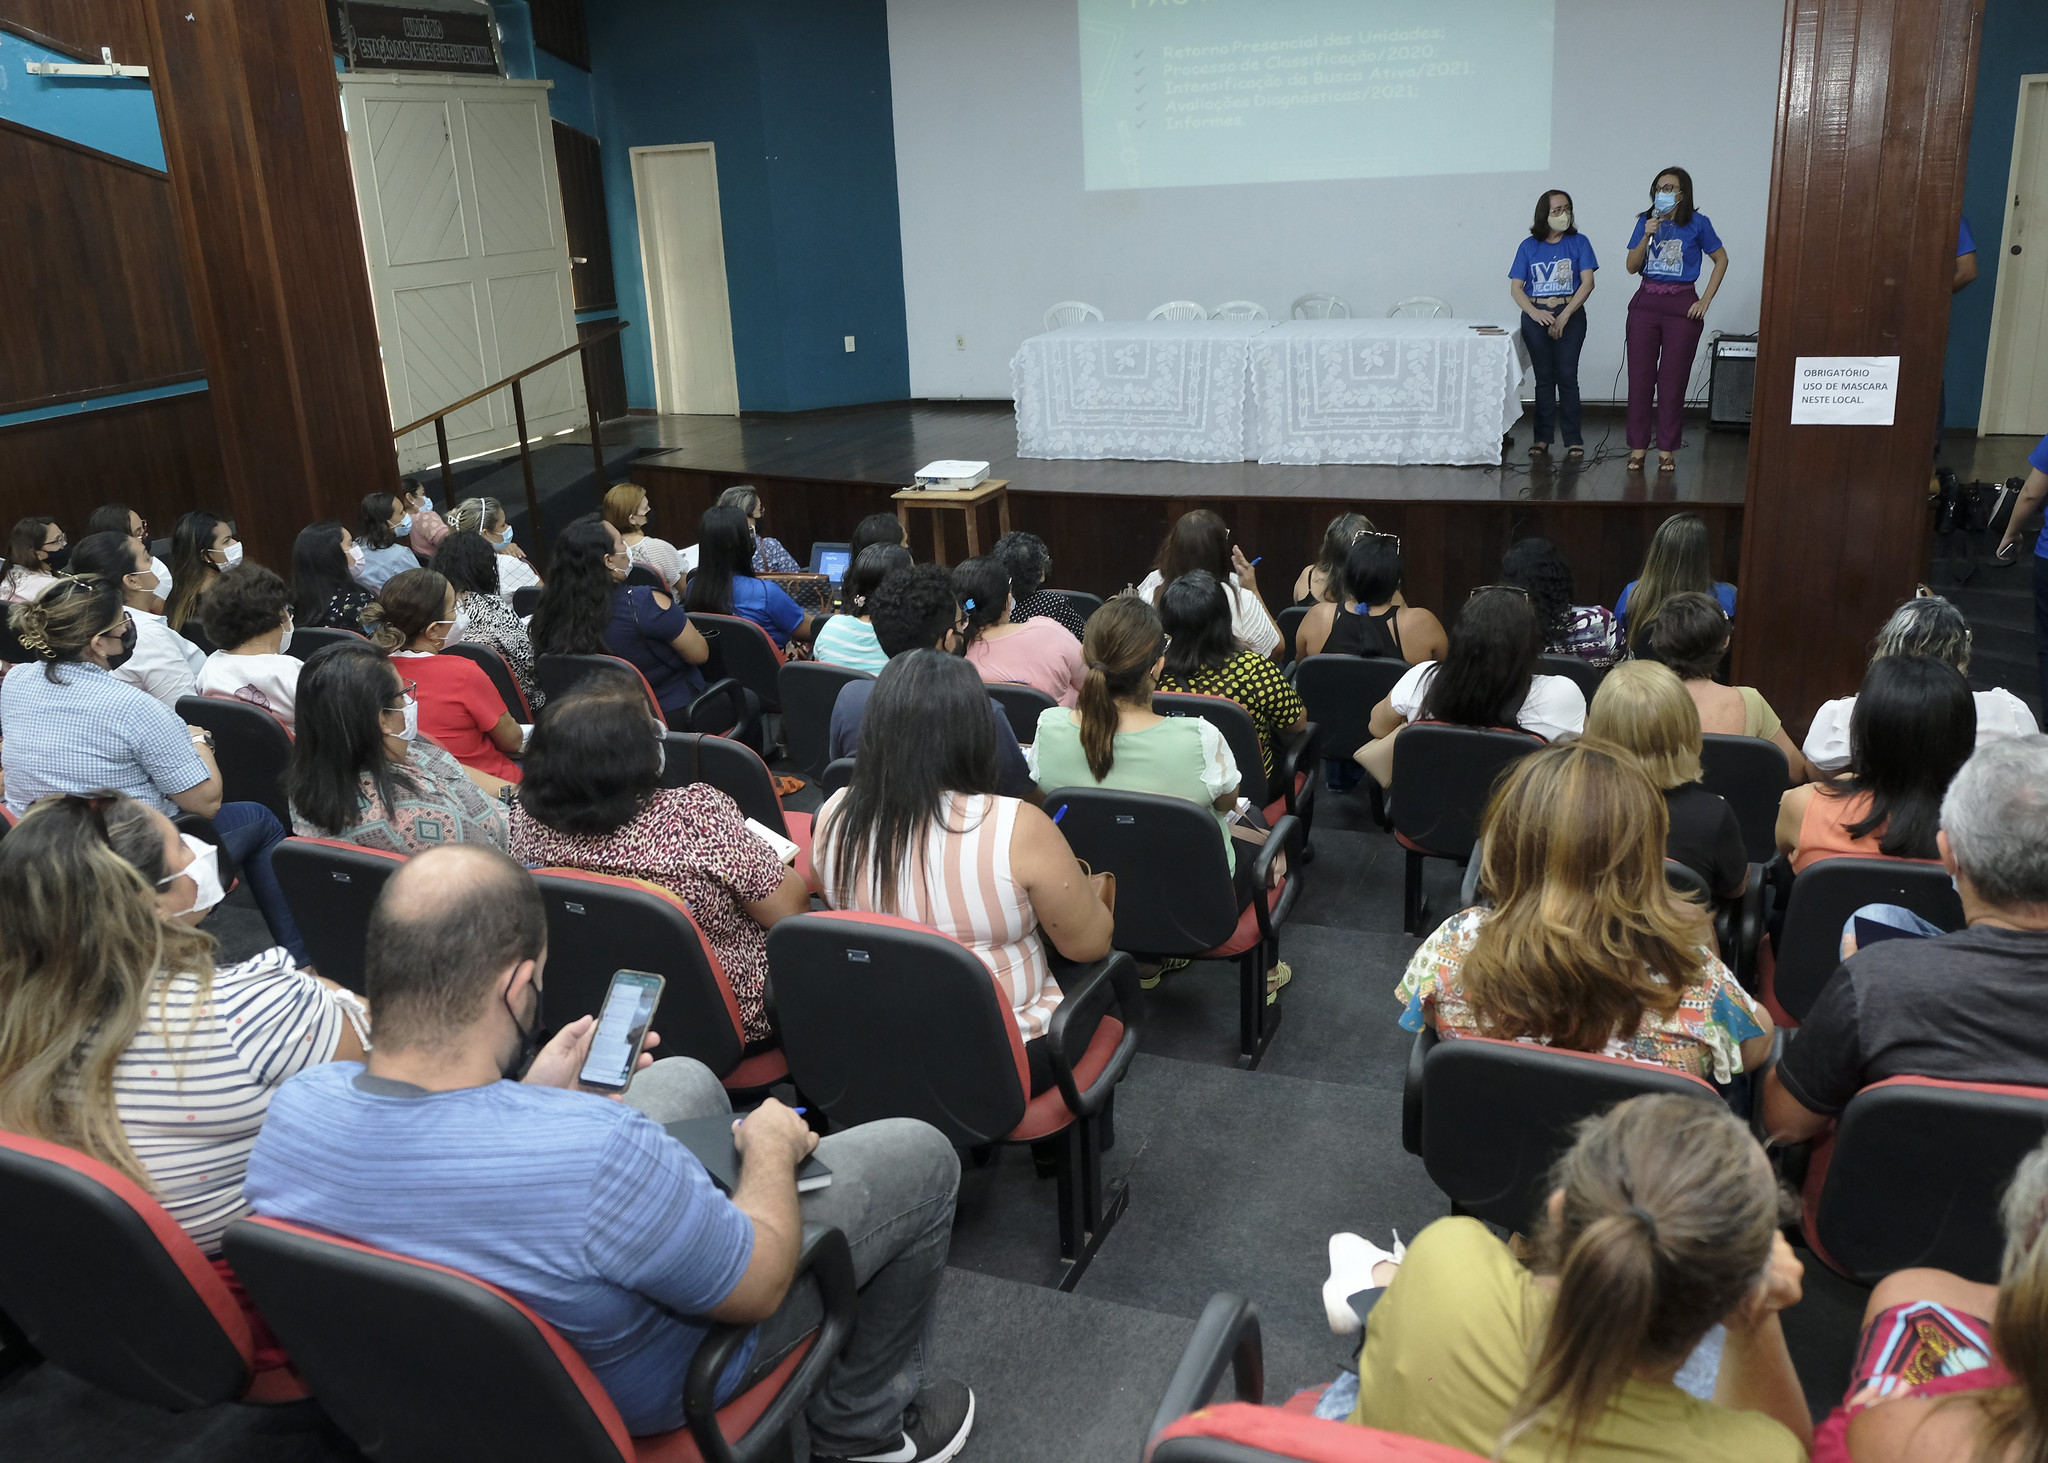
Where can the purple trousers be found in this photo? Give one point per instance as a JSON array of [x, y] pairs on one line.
[[1661, 342]]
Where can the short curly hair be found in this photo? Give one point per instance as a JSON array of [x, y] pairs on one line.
[[246, 601], [1027, 558], [913, 608]]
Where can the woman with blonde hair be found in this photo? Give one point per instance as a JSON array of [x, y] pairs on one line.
[[1663, 1224], [487, 517], [1642, 707], [1586, 947], [627, 509], [1951, 1371], [118, 1036], [1675, 564]]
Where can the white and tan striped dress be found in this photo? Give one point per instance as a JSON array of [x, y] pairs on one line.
[[959, 882]]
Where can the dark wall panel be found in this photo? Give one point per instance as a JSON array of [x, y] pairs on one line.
[[558, 27], [81, 27], [583, 219], [607, 372], [159, 457], [93, 289]]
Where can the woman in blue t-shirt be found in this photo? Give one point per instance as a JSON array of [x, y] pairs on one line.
[[586, 608], [1550, 280], [1667, 314], [2032, 495], [726, 584]]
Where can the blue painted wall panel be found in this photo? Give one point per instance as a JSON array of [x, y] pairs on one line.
[[109, 114]]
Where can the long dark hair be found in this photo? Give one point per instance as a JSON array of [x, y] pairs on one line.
[[466, 560], [319, 571], [1914, 726], [1198, 539], [870, 567], [25, 544], [375, 520], [1536, 565], [725, 547], [1539, 228], [1123, 640], [576, 603], [983, 588], [191, 540], [108, 518], [1682, 214], [592, 763], [926, 733], [1484, 676], [1195, 615], [339, 736]]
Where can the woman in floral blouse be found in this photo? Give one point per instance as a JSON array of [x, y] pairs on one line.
[[1586, 947]]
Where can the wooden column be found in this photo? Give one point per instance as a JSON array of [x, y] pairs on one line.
[[253, 141], [1866, 187]]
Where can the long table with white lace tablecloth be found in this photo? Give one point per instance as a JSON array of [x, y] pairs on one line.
[[1297, 391]]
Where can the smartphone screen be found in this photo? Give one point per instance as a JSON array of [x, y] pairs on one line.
[[621, 1029]]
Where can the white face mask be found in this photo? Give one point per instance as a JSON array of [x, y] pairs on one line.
[[355, 556], [151, 587], [1559, 222], [412, 721], [458, 630], [284, 641], [203, 871], [231, 555]]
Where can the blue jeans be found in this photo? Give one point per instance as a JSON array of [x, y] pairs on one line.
[[2041, 618], [1556, 363], [249, 831]]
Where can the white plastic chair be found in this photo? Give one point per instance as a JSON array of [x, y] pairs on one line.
[[1320, 307], [1421, 307], [1070, 312], [1239, 310], [1179, 310]]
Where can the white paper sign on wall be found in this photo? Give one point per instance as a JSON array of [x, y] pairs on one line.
[[1845, 391]]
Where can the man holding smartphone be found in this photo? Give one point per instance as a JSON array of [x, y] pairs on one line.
[[583, 1207]]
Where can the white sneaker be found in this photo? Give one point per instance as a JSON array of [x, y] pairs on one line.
[[1352, 1261]]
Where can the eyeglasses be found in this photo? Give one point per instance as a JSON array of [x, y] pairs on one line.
[[1373, 533], [1486, 588], [408, 694]]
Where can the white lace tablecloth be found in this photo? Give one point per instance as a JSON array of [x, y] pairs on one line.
[[1392, 391], [1298, 391], [1142, 390]]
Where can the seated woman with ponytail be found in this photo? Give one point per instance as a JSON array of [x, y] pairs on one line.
[[1663, 1224], [459, 709], [1948, 1370], [1038, 653]]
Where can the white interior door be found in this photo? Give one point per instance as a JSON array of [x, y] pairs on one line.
[[469, 261], [682, 256], [2016, 371]]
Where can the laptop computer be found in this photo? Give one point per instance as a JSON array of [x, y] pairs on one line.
[[831, 560]]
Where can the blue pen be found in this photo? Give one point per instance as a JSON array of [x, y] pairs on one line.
[[799, 1111], [1060, 814], [1258, 561]]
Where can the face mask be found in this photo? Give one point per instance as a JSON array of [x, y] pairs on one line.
[[660, 754], [231, 555], [355, 556], [1666, 202], [529, 1039], [59, 557], [204, 871], [284, 641], [1559, 222], [496, 541], [147, 590], [115, 662], [412, 722], [404, 526], [459, 629]]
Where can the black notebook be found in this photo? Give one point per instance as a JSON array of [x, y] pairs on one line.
[[711, 1140]]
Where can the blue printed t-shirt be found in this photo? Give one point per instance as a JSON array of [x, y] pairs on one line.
[[1966, 242], [642, 632], [1725, 593], [1552, 271], [767, 606], [2038, 461], [1675, 257], [581, 1207]]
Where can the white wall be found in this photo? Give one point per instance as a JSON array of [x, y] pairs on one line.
[[996, 224]]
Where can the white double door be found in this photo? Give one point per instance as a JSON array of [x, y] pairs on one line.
[[2016, 369], [469, 262]]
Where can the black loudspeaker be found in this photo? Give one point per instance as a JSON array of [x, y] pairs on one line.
[[1731, 383]]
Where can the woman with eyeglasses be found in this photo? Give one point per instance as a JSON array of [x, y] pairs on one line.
[[593, 799], [361, 772], [119, 1036], [203, 547], [1487, 678], [120, 518], [487, 517], [73, 728], [37, 551], [1690, 634], [770, 557], [1370, 618], [626, 508], [413, 619], [589, 609]]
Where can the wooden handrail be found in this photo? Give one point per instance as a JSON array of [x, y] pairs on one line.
[[440, 421]]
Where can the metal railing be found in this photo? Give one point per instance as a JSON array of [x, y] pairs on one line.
[[439, 419]]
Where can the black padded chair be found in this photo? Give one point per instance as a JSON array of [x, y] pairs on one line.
[[104, 1283], [736, 770], [838, 773], [331, 887], [1080, 601], [251, 747], [1289, 790], [647, 578], [741, 649], [720, 707], [499, 670], [1738, 922], [809, 690], [599, 924], [1809, 945], [1023, 705], [525, 601], [420, 1363], [1586, 677], [1340, 692], [1175, 897], [1489, 1118], [1914, 1176], [1290, 623], [309, 639], [1751, 774], [883, 1018], [1443, 777], [561, 674]]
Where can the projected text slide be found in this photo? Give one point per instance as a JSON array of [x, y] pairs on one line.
[[1178, 93]]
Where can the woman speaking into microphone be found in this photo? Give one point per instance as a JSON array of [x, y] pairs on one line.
[[1667, 314]]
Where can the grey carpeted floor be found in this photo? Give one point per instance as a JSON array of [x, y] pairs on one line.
[[1236, 1179]]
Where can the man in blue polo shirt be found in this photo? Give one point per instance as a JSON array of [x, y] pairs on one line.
[[2026, 507]]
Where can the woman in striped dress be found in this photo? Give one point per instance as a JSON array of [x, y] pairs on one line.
[[921, 833]]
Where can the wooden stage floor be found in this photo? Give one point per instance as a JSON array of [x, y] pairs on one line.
[[821, 472]]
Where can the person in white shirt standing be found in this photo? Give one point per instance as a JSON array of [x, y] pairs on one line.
[[165, 663], [249, 611]]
